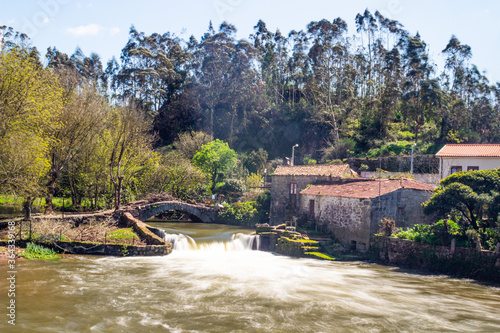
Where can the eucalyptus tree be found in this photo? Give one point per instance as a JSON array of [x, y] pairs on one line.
[[327, 56], [417, 71], [457, 57], [244, 88], [153, 68], [391, 90], [213, 62], [367, 23], [298, 64], [90, 68], [393, 29]]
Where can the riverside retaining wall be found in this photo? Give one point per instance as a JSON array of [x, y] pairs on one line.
[[112, 249], [463, 262]]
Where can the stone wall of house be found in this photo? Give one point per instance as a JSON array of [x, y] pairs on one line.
[[348, 219], [404, 206], [281, 203]]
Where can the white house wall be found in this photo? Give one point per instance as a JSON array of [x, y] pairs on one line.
[[484, 163]]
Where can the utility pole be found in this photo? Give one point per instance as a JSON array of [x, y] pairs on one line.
[[411, 167], [293, 154]]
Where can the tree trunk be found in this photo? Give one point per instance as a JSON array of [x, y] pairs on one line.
[[232, 126], [49, 208], [95, 198], [28, 203], [118, 198], [212, 121]]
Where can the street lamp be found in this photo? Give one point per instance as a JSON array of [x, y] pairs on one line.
[[411, 168], [293, 153]]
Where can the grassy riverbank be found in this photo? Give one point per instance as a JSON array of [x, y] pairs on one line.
[[49, 230], [61, 204]]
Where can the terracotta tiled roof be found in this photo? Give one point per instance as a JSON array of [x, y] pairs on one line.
[[368, 188], [472, 150], [334, 170]]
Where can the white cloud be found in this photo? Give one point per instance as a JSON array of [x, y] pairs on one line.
[[85, 30], [91, 30], [113, 31]]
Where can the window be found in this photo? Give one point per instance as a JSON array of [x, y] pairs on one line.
[[455, 169], [401, 211], [293, 188], [470, 168]]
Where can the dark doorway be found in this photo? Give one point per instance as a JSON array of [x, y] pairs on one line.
[[311, 208]]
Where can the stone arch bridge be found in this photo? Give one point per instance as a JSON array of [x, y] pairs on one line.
[[144, 212]]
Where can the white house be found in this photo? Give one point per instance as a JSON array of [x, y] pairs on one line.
[[463, 157]]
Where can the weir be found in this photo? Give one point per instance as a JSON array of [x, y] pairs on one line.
[[238, 242]]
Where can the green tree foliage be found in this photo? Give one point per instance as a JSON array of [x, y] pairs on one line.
[[312, 87], [243, 213], [232, 189], [128, 141], [439, 233], [30, 103], [256, 161], [175, 175], [189, 143], [216, 159], [472, 195]]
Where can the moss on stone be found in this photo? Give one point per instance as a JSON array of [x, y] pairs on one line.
[[301, 240], [310, 248], [319, 255]]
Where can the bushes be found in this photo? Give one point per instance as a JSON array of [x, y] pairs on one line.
[[239, 213], [440, 233], [309, 161], [391, 148], [387, 227], [231, 188], [443, 231], [344, 148]]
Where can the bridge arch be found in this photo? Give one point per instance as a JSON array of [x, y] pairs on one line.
[[204, 214]]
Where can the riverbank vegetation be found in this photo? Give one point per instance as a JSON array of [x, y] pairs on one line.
[[213, 114], [468, 205], [38, 252], [50, 231]]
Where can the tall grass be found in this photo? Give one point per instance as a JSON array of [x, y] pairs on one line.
[[38, 252]]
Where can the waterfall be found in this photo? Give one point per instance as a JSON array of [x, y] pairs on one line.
[[249, 242], [238, 242], [180, 242]]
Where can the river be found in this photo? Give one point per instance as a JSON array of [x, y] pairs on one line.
[[214, 282]]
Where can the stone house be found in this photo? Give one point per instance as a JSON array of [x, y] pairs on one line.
[[288, 181], [351, 211], [464, 157]]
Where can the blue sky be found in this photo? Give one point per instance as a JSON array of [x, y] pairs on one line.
[[103, 26]]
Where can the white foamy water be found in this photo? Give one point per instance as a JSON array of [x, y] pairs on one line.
[[238, 242]]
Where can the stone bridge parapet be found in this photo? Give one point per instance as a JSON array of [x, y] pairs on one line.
[[144, 212]]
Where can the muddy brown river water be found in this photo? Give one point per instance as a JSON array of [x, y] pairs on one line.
[[214, 282]]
